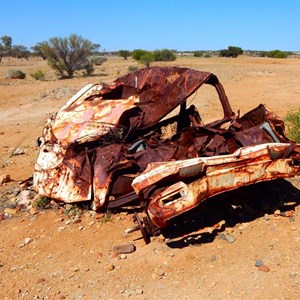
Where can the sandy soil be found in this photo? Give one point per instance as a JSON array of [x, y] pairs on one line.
[[50, 255]]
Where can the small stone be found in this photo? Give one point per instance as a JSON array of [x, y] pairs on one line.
[[81, 227], [266, 217], [161, 238], [27, 240], [138, 291], [125, 248], [61, 228], [277, 212], [91, 223], [110, 267], [5, 178], [18, 151], [230, 238], [263, 268], [76, 269], [213, 258], [293, 228], [123, 256], [293, 274], [258, 263], [76, 220], [58, 220], [67, 222], [10, 211], [25, 197], [41, 280]]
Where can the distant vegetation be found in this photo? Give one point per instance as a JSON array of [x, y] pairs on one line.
[[231, 51], [146, 57], [74, 53], [277, 54]]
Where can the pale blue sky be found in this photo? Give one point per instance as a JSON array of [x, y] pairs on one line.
[[156, 24]]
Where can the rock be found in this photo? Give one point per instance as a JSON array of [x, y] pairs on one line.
[[10, 211], [230, 238], [125, 248], [25, 197], [18, 151], [110, 267], [123, 256], [138, 291], [27, 240], [266, 217], [263, 268], [277, 212], [293, 228], [258, 263], [5, 178]]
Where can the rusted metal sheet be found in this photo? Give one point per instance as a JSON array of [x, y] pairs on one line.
[[111, 144], [212, 176]]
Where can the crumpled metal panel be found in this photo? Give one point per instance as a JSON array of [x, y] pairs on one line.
[[104, 114], [212, 176]]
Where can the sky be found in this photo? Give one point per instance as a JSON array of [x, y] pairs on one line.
[[156, 24]]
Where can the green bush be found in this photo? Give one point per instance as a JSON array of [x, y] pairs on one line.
[[97, 60], [38, 75], [231, 51], [138, 53], [277, 54], [15, 74], [292, 123], [164, 55]]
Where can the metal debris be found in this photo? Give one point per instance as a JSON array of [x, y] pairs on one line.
[[108, 145]]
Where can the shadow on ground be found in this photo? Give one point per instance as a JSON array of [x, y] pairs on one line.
[[239, 206]]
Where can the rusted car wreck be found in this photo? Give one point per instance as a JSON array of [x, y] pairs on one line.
[[107, 145]]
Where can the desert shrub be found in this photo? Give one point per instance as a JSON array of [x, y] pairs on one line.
[[97, 60], [231, 51], [198, 53], [164, 55], [292, 122], [15, 74], [38, 75], [277, 54], [207, 55], [124, 53], [132, 68], [89, 70]]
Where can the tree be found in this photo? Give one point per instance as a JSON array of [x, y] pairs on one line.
[[231, 51], [137, 53], [67, 55], [5, 45], [124, 53], [146, 59], [164, 55], [40, 49], [143, 56], [19, 51]]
